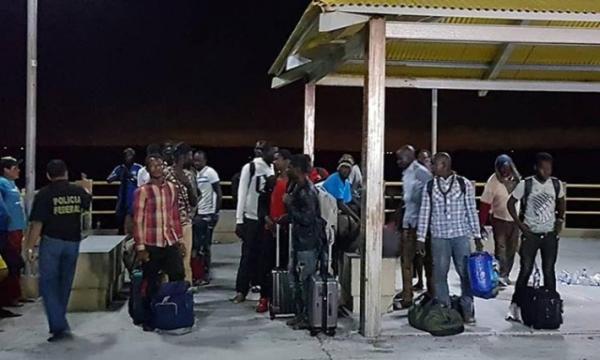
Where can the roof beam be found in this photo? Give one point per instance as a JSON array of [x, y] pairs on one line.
[[492, 33], [501, 59], [336, 20], [471, 13], [483, 66], [467, 84]]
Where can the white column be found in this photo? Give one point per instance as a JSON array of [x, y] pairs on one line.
[[30, 136], [309, 120], [434, 121], [373, 213]]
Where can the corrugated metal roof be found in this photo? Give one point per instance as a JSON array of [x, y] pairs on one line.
[[566, 6]]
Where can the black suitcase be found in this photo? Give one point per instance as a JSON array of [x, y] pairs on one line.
[[323, 294], [136, 297], [282, 303]]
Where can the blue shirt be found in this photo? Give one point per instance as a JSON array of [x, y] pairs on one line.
[[451, 215], [414, 178], [338, 188], [127, 188], [12, 214]]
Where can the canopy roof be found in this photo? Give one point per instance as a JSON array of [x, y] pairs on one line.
[[550, 41]]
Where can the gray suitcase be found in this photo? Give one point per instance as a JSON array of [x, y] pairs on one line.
[[323, 295], [282, 303]]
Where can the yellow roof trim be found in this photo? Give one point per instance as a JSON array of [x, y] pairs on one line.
[[557, 6]]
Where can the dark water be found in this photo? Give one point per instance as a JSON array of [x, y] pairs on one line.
[[573, 166]]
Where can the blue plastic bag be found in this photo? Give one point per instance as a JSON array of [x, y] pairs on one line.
[[484, 278]]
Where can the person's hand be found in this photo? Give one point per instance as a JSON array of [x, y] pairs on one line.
[[421, 248], [182, 249], [268, 223], [143, 256], [559, 226], [239, 231], [30, 254], [525, 229], [478, 245]]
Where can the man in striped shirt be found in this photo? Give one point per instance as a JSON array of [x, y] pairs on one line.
[[157, 230]]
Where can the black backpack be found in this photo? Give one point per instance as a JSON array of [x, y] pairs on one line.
[[541, 308]]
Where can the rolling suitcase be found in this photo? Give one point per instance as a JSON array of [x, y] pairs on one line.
[[282, 302], [323, 295], [541, 308]]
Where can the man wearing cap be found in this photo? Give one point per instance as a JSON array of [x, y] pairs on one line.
[[56, 219], [12, 224], [126, 174], [494, 201], [338, 185]]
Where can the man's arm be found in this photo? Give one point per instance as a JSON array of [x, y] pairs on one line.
[[3, 212], [347, 210], [561, 207], [304, 210], [139, 205], [424, 215], [472, 210], [242, 193], [512, 210], [217, 189], [115, 174], [176, 218]]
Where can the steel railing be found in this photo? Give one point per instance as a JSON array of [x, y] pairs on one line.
[[388, 185]]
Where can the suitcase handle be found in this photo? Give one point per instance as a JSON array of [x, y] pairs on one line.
[[277, 259]]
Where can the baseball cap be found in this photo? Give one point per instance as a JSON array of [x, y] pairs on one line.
[[8, 161]]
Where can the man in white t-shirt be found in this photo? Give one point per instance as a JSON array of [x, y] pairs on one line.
[[493, 202], [207, 215], [543, 212]]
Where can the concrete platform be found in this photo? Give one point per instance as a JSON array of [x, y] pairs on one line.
[[225, 331]]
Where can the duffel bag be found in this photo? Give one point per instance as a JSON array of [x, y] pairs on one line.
[[173, 306], [438, 320]]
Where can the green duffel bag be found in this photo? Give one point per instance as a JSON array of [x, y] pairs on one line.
[[438, 320]]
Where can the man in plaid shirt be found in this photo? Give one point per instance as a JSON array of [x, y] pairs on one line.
[[448, 211], [157, 231]]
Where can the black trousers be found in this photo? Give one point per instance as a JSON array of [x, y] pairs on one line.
[[548, 245], [167, 260], [249, 269]]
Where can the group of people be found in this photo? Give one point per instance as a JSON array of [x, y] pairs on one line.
[[170, 206], [440, 219], [276, 193]]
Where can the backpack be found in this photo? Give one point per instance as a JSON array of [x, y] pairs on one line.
[[527, 192], [329, 212], [541, 308], [235, 181], [428, 315]]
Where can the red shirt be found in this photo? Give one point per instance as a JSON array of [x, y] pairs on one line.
[[318, 174], [156, 216], [277, 206]]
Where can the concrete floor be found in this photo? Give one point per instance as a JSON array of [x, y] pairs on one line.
[[226, 331]]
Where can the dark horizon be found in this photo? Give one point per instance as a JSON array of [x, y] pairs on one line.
[[116, 73]]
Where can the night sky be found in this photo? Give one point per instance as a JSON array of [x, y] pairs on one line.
[[130, 72]]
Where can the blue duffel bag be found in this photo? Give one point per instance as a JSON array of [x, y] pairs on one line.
[[173, 306], [484, 278]]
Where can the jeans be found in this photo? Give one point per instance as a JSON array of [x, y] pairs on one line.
[[548, 245], [305, 265], [57, 263], [249, 268], [203, 227], [506, 242], [169, 261], [443, 250]]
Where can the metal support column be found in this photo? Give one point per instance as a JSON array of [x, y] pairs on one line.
[[373, 213], [309, 120], [30, 137], [434, 121]]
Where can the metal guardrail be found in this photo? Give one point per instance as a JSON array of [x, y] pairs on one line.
[[391, 184]]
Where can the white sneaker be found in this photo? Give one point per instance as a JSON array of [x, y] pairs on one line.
[[514, 313]]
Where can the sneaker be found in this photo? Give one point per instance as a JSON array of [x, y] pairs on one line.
[[470, 320], [263, 305], [238, 298], [514, 313], [8, 314], [255, 289], [63, 335]]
